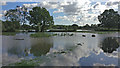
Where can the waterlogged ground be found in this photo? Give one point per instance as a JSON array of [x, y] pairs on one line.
[[79, 49]]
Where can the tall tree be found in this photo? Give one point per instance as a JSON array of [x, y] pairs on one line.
[[109, 18], [41, 18]]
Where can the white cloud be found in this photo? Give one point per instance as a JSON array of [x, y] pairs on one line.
[[112, 4], [77, 11], [58, 11], [3, 12], [30, 5], [48, 5], [71, 58], [3, 2]]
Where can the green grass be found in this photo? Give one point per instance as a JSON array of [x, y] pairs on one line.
[[9, 33], [30, 62], [26, 63], [37, 35]]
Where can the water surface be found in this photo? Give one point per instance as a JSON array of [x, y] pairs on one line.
[[75, 50]]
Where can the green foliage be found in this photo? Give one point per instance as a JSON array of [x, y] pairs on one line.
[[15, 17], [8, 26], [9, 33], [12, 15], [26, 27], [26, 63], [36, 35], [109, 18], [87, 26], [41, 18], [75, 27]]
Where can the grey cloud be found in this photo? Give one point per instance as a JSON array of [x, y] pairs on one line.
[[112, 3], [71, 8]]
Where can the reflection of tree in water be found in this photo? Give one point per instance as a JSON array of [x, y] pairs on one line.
[[15, 51], [41, 48], [109, 45]]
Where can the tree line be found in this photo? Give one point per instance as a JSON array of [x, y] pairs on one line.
[[39, 19]]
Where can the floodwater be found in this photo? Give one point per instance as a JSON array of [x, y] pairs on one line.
[[81, 49]]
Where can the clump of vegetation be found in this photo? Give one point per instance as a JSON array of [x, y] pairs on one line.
[[30, 62], [26, 63], [54, 34], [9, 33], [64, 34], [36, 35], [71, 34]]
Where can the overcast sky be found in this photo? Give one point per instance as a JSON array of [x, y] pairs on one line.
[[67, 12]]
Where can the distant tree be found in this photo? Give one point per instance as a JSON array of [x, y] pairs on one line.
[[41, 18], [87, 26], [75, 27], [9, 26], [109, 18], [94, 25]]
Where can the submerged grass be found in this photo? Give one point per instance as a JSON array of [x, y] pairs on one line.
[[26, 63], [31, 62], [36, 35], [9, 33]]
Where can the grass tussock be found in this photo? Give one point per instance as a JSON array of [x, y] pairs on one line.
[[37, 35]]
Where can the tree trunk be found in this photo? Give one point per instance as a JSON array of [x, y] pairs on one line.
[[39, 28], [42, 28]]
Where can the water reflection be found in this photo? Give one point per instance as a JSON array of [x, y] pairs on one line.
[[63, 50], [41, 47], [14, 50], [109, 45]]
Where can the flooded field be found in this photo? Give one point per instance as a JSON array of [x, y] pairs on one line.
[[80, 49]]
